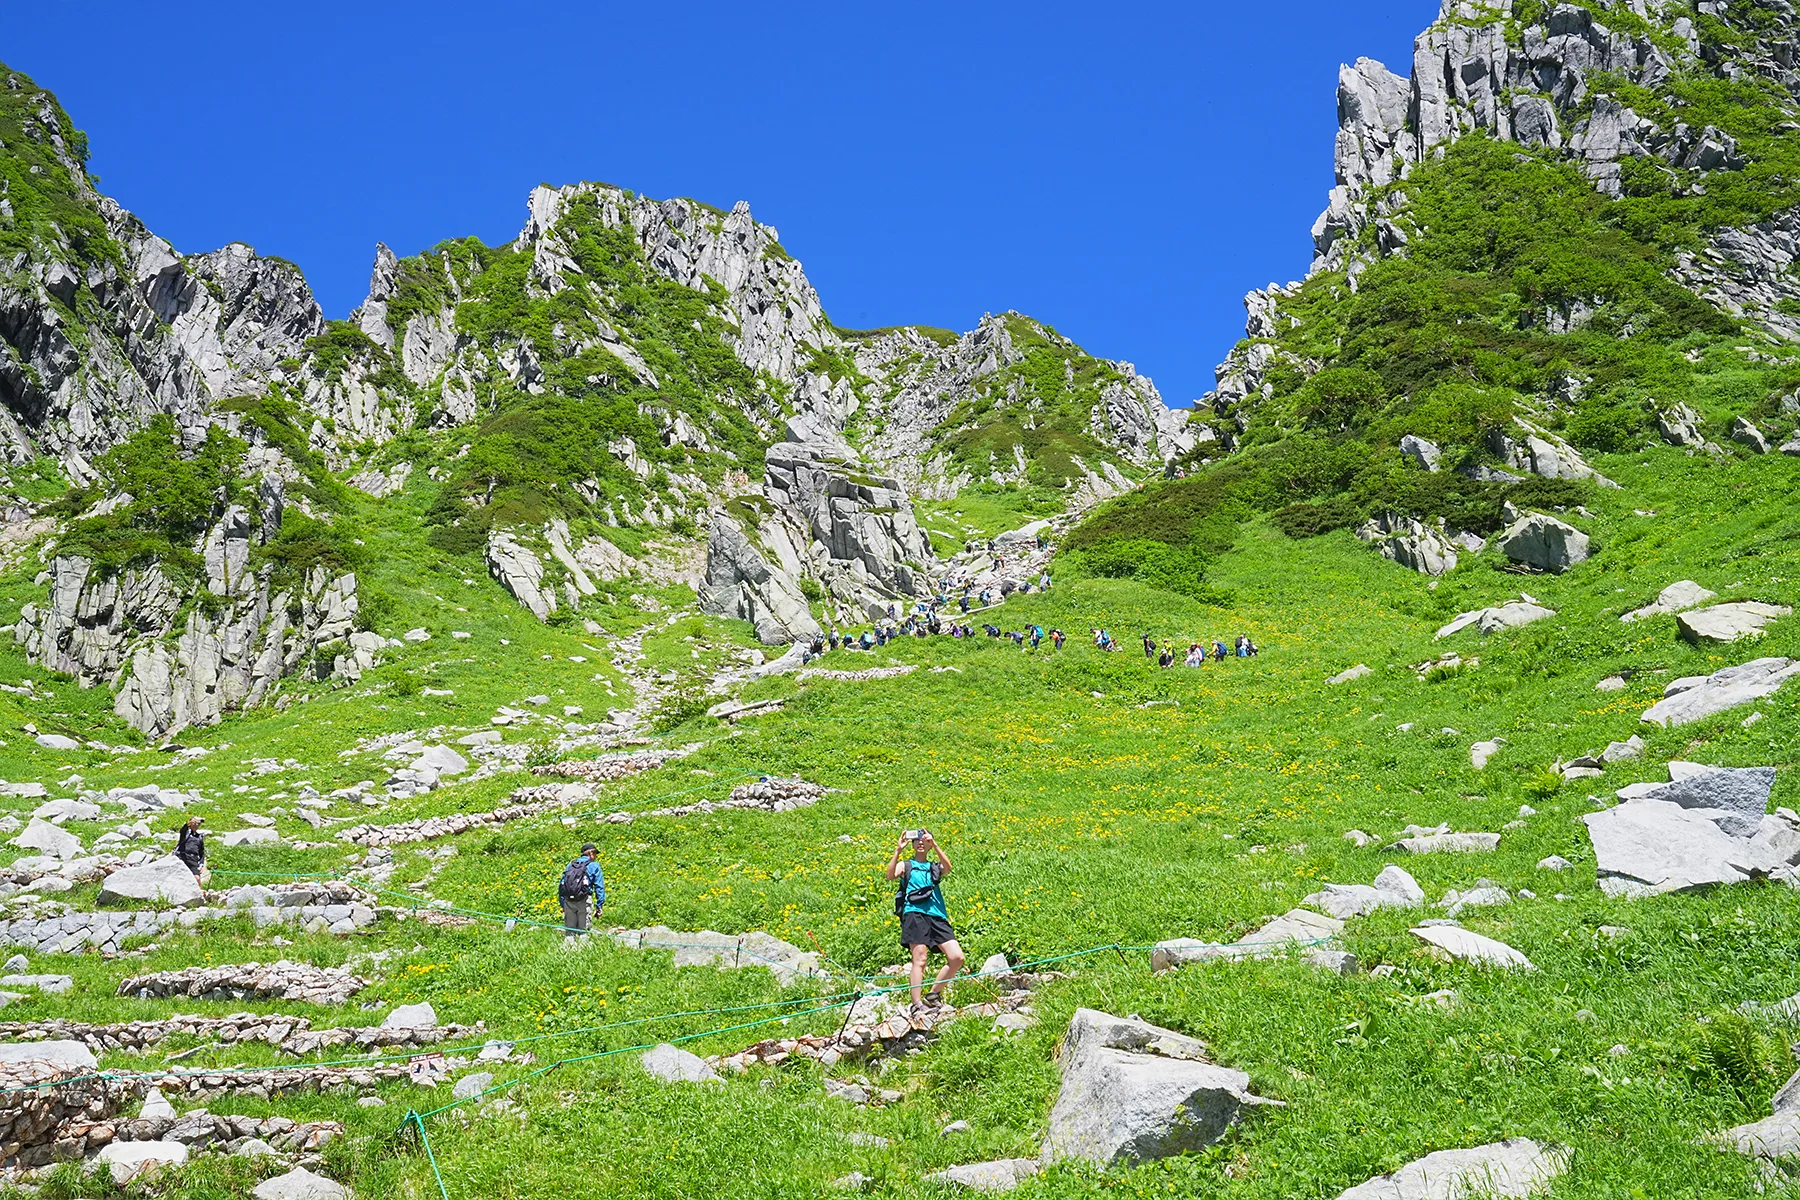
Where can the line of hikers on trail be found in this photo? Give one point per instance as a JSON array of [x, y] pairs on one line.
[[1168, 656], [926, 620], [918, 903]]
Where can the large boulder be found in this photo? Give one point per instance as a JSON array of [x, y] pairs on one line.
[[1513, 1169], [520, 571], [1513, 615], [48, 839], [1729, 622], [743, 584], [1699, 831], [1545, 543], [1133, 1091], [165, 881]]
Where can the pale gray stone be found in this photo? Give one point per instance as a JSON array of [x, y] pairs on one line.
[[1464, 945], [1512, 1169], [1133, 1091], [672, 1064], [411, 1016], [1002, 1175], [1729, 622], [1541, 541], [165, 881], [300, 1184]]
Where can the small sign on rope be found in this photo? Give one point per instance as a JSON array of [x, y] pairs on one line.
[[427, 1070]]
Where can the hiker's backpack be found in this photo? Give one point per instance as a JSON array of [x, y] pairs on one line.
[[574, 885]]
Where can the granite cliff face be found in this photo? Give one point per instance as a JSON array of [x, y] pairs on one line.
[[625, 364], [1551, 78]]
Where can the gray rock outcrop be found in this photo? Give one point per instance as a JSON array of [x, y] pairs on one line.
[[165, 881], [821, 516], [742, 584], [1413, 544], [1696, 832], [517, 569], [1544, 543], [1695, 697], [1133, 1091], [1726, 623], [119, 630], [1511, 1170]]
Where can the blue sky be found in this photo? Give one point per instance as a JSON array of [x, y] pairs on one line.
[[1123, 171]]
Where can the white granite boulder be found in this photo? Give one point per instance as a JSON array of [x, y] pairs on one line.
[[1463, 945], [1133, 1091], [672, 1064], [165, 881], [1725, 623]]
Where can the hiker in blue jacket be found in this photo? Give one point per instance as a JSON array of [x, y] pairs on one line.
[[582, 882], [924, 921]]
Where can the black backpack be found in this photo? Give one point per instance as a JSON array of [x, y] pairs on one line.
[[574, 885]]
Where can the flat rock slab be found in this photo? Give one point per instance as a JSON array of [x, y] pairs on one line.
[[1450, 843], [66, 1054], [166, 880], [1464, 945], [129, 1160], [1729, 622], [48, 839], [1695, 697], [411, 1016], [300, 1184], [1356, 672], [1742, 792], [1133, 1091], [1513, 1169], [1002, 1175], [1393, 888], [672, 1064], [249, 837]]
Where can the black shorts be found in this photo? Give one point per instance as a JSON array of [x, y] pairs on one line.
[[923, 929]]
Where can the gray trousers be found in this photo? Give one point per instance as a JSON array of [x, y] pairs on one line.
[[576, 916]]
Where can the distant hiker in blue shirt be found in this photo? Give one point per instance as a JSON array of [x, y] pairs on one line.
[[582, 882], [924, 921]]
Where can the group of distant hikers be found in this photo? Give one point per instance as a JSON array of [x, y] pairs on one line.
[[930, 618], [1168, 656], [918, 903]]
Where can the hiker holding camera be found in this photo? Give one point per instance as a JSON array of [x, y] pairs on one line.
[[924, 921]]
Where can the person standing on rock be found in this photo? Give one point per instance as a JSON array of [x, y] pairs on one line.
[[190, 848], [582, 881], [924, 920]]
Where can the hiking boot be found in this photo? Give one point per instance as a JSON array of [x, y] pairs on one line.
[[934, 1000], [918, 1010]]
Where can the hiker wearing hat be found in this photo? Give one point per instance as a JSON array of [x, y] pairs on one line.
[[924, 921], [190, 848], [582, 880]]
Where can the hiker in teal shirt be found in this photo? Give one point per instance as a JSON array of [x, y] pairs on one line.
[[924, 921]]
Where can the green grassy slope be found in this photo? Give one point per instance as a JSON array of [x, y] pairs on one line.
[[1088, 800]]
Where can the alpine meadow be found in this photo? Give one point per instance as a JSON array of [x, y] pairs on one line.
[[1377, 781]]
